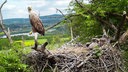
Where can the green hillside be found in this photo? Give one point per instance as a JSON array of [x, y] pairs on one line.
[[19, 25]]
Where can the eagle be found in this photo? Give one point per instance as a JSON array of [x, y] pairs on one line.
[[36, 23]]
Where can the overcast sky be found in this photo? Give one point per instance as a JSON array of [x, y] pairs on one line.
[[18, 8]]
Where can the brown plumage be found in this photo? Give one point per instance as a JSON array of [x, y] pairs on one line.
[[36, 23]]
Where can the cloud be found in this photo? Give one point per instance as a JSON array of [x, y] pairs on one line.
[[62, 2], [10, 6], [37, 3], [18, 8]]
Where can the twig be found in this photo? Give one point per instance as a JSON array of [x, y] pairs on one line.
[[115, 44], [53, 26], [84, 61], [42, 70], [104, 65], [55, 69], [60, 12], [51, 67]]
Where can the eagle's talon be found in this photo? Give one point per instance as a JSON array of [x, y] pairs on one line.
[[33, 47], [30, 33]]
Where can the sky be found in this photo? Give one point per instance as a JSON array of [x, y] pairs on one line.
[[18, 8]]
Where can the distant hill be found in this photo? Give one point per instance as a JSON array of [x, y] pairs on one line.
[[18, 24]]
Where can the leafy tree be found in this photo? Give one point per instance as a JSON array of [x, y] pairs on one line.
[[83, 24], [89, 19]]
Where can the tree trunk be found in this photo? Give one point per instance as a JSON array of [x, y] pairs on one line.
[[2, 26], [71, 33]]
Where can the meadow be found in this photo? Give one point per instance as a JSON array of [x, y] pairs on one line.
[[55, 41]]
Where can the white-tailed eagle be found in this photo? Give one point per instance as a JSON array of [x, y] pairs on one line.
[[36, 23]]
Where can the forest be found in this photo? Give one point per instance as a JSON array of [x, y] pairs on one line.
[[91, 37]]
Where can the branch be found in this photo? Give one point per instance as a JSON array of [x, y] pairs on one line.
[[120, 26], [117, 15], [79, 4], [2, 26], [3, 4], [107, 23], [104, 31], [53, 26], [60, 12], [68, 20], [40, 49], [56, 23], [123, 37], [63, 15]]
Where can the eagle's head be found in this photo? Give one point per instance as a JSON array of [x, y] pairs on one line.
[[29, 8]]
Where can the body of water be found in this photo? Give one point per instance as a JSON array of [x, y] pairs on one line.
[[27, 34]]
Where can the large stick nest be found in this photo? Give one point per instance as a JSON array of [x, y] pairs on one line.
[[76, 58]]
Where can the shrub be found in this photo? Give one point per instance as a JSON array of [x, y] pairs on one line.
[[10, 60]]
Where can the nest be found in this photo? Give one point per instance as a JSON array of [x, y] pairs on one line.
[[76, 59], [96, 60]]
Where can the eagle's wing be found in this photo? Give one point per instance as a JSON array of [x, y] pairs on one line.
[[36, 23]]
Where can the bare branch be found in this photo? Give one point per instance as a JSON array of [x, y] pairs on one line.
[[53, 26], [68, 21], [124, 37], [60, 12], [56, 23], [3, 4], [2, 26]]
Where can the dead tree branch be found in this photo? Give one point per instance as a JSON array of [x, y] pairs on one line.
[[60, 12], [69, 21], [3, 4], [2, 26], [56, 23], [123, 37], [53, 26]]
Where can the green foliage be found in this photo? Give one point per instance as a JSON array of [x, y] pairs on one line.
[[4, 44], [97, 52], [107, 10], [85, 18], [102, 6], [83, 24], [10, 61]]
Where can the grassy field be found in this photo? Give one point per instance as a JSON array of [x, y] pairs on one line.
[[28, 42]]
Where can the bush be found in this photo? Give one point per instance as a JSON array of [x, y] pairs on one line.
[[11, 60], [4, 44]]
